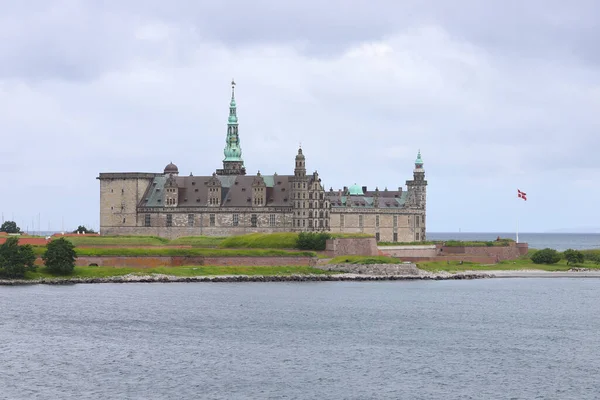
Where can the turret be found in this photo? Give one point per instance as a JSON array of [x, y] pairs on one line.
[[214, 191], [259, 191], [417, 199], [299, 194], [171, 191], [300, 170], [417, 193], [233, 164]]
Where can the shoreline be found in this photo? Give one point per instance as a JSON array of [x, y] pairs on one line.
[[423, 276]]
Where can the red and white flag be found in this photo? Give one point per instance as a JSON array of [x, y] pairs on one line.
[[522, 195]]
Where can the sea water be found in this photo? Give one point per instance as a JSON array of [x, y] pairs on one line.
[[479, 339], [557, 241]]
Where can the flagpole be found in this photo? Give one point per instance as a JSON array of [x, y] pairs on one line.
[[517, 230]]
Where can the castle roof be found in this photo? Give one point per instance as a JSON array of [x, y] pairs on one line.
[[236, 190], [171, 169]]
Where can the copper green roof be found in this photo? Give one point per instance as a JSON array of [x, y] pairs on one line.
[[356, 190], [419, 160]]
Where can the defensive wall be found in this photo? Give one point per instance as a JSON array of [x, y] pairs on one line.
[[351, 247], [175, 261], [439, 252]]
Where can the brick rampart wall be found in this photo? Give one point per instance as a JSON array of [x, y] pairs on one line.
[[22, 241], [409, 251], [173, 261], [477, 254]]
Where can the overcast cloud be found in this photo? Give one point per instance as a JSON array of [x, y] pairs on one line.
[[498, 95]]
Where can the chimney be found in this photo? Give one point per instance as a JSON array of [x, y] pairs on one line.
[[364, 188]]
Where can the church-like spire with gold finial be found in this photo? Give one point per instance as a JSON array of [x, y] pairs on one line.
[[233, 163]]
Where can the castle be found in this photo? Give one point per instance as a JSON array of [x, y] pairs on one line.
[[229, 202]]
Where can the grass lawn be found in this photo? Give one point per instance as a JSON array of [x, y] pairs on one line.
[[198, 241], [94, 240], [282, 240], [104, 272], [514, 265]]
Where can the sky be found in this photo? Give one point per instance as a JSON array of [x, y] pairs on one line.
[[497, 95]]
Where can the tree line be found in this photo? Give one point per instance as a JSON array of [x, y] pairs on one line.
[[12, 227], [15, 260]]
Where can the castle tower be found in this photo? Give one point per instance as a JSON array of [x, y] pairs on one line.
[[300, 194], [417, 186], [214, 191], [259, 191], [417, 198], [171, 191], [232, 163]]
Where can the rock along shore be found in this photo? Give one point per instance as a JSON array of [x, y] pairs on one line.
[[242, 278]]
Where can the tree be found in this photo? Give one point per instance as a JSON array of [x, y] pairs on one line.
[[15, 260], [545, 256], [10, 227], [312, 240], [573, 256], [83, 229], [59, 257]]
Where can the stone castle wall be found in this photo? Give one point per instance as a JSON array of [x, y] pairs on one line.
[[351, 246], [478, 254], [119, 198], [408, 225], [120, 195]]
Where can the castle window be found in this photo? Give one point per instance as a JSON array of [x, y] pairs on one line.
[[236, 219], [212, 219], [417, 220], [320, 214], [377, 237], [147, 220], [309, 196], [310, 223], [423, 219], [254, 220], [395, 237], [123, 220], [360, 221], [417, 237], [377, 221], [190, 219], [342, 221], [272, 220], [169, 219], [320, 223], [303, 223], [326, 223], [395, 223]]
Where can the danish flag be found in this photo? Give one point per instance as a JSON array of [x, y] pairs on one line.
[[522, 195]]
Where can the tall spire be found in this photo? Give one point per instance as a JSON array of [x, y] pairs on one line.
[[233, 163], [232, 105]]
